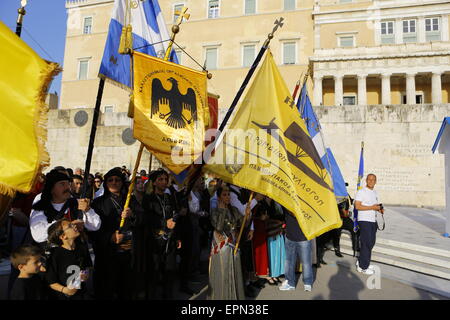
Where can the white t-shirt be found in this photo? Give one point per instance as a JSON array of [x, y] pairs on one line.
[[368, 198]]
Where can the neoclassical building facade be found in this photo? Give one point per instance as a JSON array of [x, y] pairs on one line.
[[380, 73], [381, 52]]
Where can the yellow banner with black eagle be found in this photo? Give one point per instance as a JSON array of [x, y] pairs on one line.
[[266, 148], [170, 102]]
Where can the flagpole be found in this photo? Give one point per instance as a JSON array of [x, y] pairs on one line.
[[87, 166], [358, 184], [249, 75], [236, 247], [175, 30], [19, 21], [297, 85], [278, 24]]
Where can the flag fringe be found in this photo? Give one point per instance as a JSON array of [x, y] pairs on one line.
[[7, 190], [40, 129], [41, 119]]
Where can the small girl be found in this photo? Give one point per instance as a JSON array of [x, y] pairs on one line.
[[67, 266]]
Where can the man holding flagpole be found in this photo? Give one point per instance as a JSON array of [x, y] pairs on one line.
[[367, 204]]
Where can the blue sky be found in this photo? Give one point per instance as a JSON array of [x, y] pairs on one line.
[[45, 22]]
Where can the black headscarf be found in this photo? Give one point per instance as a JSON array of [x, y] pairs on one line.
[[115, 172]]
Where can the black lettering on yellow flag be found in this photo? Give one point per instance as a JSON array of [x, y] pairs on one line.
[[267, 148], [169, 114]]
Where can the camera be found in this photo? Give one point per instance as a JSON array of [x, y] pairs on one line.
[[381, 206]]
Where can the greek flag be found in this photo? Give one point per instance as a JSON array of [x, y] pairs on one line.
[[149, 30], [312, 123], [358, 187]]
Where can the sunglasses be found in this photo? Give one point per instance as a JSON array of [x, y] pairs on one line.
[[114, 180]]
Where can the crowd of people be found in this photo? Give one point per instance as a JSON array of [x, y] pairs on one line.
[[76, 241]]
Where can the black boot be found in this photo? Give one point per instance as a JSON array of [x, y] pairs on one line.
[[337, 252]]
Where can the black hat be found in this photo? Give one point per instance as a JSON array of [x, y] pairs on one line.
[[117, 172], [51, 179]]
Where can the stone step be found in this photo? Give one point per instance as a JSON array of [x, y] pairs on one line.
[[409, 246], [407, 254], [402, 258], [406, 264]]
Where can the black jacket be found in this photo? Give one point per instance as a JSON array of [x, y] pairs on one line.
[[161, 208]]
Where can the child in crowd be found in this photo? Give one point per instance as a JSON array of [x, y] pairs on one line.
[[28, 285], [67, 266]]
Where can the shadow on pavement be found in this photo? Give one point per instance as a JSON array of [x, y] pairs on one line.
[[345, 285]]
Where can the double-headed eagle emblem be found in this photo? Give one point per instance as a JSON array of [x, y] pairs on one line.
[[176, 101]]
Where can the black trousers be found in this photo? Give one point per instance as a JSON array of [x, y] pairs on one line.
[[164, 274], [368, 231], [113, 276]]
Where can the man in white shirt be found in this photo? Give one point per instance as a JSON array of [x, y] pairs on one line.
[[367, 204], [55, 203]]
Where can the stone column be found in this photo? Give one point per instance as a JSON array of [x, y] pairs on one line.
[[410, 88], [420, 29], [362, 89], [338, 90], [318, 90], [398, 31], [386, 88], [436, 88]]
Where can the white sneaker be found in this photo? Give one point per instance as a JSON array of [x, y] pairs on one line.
[[285, 286], [307, 287], [365, 271], [371, 267]]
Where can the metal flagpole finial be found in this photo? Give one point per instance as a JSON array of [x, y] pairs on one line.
[[19, 21], [175, 29], [278, 24], [181, 14]]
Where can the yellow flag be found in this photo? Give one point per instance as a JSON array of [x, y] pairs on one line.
[[25, 79], [266, 148], [170, 102]]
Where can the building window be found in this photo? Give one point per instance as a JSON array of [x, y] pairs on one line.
[[347, 41], [409, 31], [289, 4], [432, 29], [248, 55], [289, 53], [177, 7], [109, 109], [83, 66], [349, 101], [387, 32], [250, 6], [211, 58], [87, 26], [213, 9]]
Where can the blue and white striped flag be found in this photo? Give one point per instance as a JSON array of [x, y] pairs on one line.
[[313, 125], [149, 30], [358, 186]]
